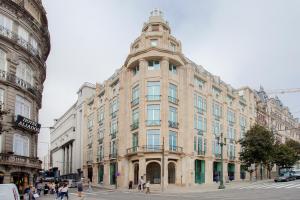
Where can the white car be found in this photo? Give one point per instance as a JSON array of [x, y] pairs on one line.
[[9, 192]]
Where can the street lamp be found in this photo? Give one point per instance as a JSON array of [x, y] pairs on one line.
[[221, 143]]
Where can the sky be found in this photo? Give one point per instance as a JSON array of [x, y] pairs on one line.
[[245, 42]]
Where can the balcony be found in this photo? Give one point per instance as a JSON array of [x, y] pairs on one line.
[[113, 134], [10, 159], [173, 124], [100, 159], [153, 97], [173, 100], [135, 102], [100, 140], [18, 40], [134, 126], [200, 132], [101, 122], [200, 110], [218, 156], [153, 122], [175, 149], [217, 117], [201, 153], [113, 155], [133, 150], [152, 148], [114, 114], [13, 79]]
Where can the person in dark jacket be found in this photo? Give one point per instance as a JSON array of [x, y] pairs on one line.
[[46, 189]]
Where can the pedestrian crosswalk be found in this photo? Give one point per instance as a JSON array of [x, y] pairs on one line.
[[282, 185]]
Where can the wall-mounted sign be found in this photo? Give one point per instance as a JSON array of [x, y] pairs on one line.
[[27, 124]]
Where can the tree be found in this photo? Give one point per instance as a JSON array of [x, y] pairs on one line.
[[284, 156], [294, 145], [257, 147]]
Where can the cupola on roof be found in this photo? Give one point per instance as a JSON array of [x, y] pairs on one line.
[[156, 18]]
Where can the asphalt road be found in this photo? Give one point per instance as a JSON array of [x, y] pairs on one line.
[[262, 191]]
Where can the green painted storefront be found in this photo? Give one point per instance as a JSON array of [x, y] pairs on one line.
[[216, 171], [100, 173]]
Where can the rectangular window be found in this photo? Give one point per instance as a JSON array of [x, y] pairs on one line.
[[173, 47], [113, 149], [153, 42], [172, 141], [200, 123], [231, 132], [135, 116], [135, 95], [3, 63], [217, 127], [114, 108], [230, 100], [200, 103], [6, 23], [113, 128], [216, 92], [216, 147], [90, 122], [199, 83], [172, 68], [153, 88], [243, 124], [1, 99], [100, 133], [100, 152], [173, 93], [135, 70], [21, 145], [101, 115], [153, 115], [153, 65], [217, 110], [172, 114], [135, 141], [22, 107], [153, 139], [230, 116]]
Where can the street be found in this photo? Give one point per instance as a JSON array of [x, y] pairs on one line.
[[263, 191]]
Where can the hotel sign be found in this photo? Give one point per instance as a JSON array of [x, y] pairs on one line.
[[28, 124]]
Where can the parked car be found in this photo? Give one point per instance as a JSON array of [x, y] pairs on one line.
[[297, 174], [284, 177], [9, 192]]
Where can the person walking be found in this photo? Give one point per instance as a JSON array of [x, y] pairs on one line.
[[148, 187], [46, 189], [79, 188], [64, 192]]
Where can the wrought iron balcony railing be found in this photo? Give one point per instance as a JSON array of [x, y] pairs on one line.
[[152, 148], [231, 157], [18, 40], [133, 150], [100, 158], [113, 155], [100, 140], [199, 110], [153, 122], [201, 153], [13, 79], [135, 102], [134, 125], [173, 124], [217, 156], [175, 149], [153, 97], [10, 159], [113, 134], [173, 100], [114, 114]]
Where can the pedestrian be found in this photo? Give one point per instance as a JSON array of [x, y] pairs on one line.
[[148, 187], [90, 187], [64, 192], [39, 188], [140, 183], [56, 189], [79, 187], [46, 189]]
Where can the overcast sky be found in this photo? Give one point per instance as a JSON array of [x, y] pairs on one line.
[[249, 43]]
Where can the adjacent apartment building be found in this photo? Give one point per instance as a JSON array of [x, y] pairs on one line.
[[161, 116], [24, 48], [66, 137]]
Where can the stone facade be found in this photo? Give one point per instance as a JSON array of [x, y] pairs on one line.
[[160, 116], [66, 137], [24, 48]]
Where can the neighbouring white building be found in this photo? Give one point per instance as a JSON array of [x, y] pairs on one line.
[[66, 137]]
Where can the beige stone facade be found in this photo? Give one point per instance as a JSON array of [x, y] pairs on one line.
[[160, 116], [24, 48]]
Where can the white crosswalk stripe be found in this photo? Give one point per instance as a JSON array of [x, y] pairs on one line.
[[285, 185]]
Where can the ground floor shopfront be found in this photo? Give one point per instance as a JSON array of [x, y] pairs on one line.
[[173, 169]]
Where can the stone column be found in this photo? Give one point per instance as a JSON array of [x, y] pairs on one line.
[[208, 171], [63, 160], [67, 160], [142, 167], [71, 157], [143, 109]]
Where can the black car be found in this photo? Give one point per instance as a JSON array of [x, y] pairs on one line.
[[284, 177], [297, 174]]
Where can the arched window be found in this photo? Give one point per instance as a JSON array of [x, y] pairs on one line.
[[2, 60], [21, 145], [24, 72]]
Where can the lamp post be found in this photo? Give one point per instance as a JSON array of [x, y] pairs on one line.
[[222, 143]]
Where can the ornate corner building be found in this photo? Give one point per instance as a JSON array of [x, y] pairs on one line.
[[160, 116], [24, 48]]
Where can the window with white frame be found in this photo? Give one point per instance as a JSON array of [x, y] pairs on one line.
[[100, 133], [230, 116], [199, 83], [22, 107], [231, 132], [216, 92], [217, 127], [173, 47], [217, 110], [90, 121], [172, 141], [231, 150], [114, 127], [135, 94], [200, 144], [90, 155], [153, 90], [153, 42], [172, 68], [200, 103], [216, 147], [100, 152], [153, 65], [200, 123], [1, 97], [3, 62], [135, 116], [153, 139], [6, 23], [24, 72], [23, 34], [101, 115], [114, 106], [21, 145], [135, 70], [173, 115], [153, 114]]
